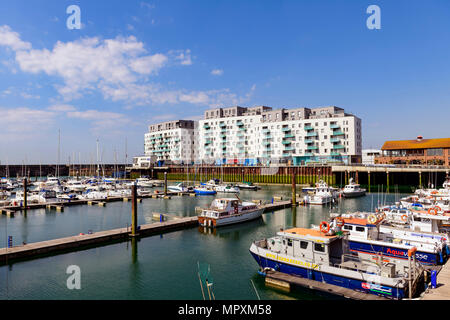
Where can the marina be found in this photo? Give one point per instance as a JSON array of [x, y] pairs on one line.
[[154, 220]]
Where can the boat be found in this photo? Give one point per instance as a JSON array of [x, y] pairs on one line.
[[367, 240], [248, 186], [226, 188], [226, 211], [353, 190], [322, 194], [205, 190], [67, 196], [179, 187], [75, 186], [324, 257], [144, 183], [93, 195]]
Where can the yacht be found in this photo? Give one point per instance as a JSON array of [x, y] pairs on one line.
[[179, 187], [225, 211], [144, 183], [223, 188]]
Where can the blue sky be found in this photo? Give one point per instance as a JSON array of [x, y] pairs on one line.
[[139, 62]]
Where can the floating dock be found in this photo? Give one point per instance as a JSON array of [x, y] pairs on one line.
[[285, 282]]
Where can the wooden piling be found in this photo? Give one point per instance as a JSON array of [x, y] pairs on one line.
[[134, 210], [25, 195], [165, 183], [294, 194]]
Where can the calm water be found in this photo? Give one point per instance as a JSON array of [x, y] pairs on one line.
[[158, 267]]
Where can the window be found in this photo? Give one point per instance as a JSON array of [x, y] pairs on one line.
[[303, 244], [347, 227], [360, 229], [319, 247], [289, 242]]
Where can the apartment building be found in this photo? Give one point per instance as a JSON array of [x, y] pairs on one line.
[[174, 141], [259, 135]]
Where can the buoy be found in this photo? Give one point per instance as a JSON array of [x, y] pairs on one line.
[[324, 227], [340, 222], [372, 219]]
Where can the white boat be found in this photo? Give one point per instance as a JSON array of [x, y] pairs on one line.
[[323, 194], [144, 183], [226, 211], [75, 186], [94, 195], [179, 187], [52, 181], [226, 188], [353, 190], [67, 196]]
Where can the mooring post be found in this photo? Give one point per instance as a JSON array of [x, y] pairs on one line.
[[134, 210], [420, 179], [387, 181], [368, 179], [294, 199], [165, 183], [356, 177], [25, 196]]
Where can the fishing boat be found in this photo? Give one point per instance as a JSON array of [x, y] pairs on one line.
[[204, 190], [226, 211], [353, 190], [324, 257]]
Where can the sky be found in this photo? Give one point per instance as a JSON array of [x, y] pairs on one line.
[[134, 63]]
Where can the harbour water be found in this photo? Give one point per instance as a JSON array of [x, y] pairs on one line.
[[158, 267]]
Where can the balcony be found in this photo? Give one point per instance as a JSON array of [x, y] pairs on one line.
[[308, 141], [266, 143], [288, 136], [307, 128], [286, 129], [208, 142], [309, 154], [223, 130], [311, 134], [289, 149], [239, 134], [286, 142], [335, 140], [336, 154], [334, 126], [222, 125], [239, 123], [206, 126], [267, 137], [338, 147], [338, 133], [223, 136], [312, 148]]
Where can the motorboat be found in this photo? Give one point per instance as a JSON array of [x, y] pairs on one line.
[[144, 183], [353, 190], [179, 187], [322, 194], [224, 188], [247, 186], [226, 211], [204, 190]]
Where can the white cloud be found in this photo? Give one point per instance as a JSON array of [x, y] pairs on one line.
[[183, 56], [61, 108], [24, 120], [12, 39], [217, 72]]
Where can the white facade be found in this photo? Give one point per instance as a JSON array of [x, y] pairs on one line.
[[368, 155], [260, 133], [175, 141]]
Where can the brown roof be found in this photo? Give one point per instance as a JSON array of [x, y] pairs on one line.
[[414, 144]]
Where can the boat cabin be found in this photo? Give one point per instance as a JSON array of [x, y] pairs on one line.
[[308, 244]]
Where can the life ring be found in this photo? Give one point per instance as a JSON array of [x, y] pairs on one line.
[[432, 211], [324, 227], [437, 208], [372, 219], [404, 218], [340, 222]]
